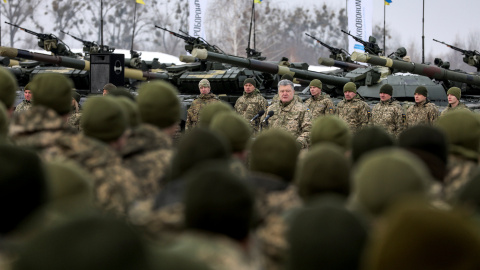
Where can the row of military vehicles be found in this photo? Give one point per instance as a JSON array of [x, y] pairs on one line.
[[226, 73]]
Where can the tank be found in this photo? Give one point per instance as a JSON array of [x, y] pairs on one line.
[[268, 67], [346, 66], [73, 63], [469, 83], [432, 72]]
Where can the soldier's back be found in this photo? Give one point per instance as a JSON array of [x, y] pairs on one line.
[[217, 251], [148, 154], [115, 187]]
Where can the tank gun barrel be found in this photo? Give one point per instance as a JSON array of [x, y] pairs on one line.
[[7, 62], [329, 62], [267, 67], [433, 72], [75, 63]]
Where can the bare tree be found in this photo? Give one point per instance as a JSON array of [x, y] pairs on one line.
[[18, 12], [173, 16]]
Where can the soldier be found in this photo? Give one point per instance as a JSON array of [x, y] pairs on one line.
[[290, 114], [423, 112], [463, 149], [453, 94], [208, 112], [108, 87], [26, 103], [203, 99], [251, 103], [331, 129], [105, 121], [273, 161], [3, 125], [23, 191], [8, 89], [237, 132], [219, 212], [320, 103], [149, 149], [44, 128], [384, 176], [75, 114], [326, 235], [352, 109], [388, 113], [161, 216]]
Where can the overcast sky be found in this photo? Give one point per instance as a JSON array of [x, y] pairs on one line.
[[445, 20]]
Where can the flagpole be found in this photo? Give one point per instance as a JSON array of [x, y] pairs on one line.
[[101, 25], [423, 33], [384, 11], [134, 22], [1, 27]]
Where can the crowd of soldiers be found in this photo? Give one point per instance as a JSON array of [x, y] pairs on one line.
[[115, 184]]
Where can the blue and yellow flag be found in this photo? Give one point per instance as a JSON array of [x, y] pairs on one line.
[[5, 1], [388, 2], [140, 2], [258, 1]]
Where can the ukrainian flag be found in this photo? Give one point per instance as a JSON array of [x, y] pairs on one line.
[[388, 2], [140, 2], [258, 1]]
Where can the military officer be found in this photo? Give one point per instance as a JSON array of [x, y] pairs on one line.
[[203, 99], [388, 113], [423, 112], [251, 103], [352, 109], [26, 104], [453, 95], [320, 103]]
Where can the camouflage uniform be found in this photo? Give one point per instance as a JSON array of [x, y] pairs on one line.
[[320, 105], [45, 131], [449, 108], [148, 153], [421, 113], [23, 106], [460, 171], [217, 251], [355, 112], [74, 120], [74, 117], [293, 117], [163, 223], [249, 105], [197, 105], [38, 128], [115, 187], [389, 115], [161, 215], [276, 206]]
